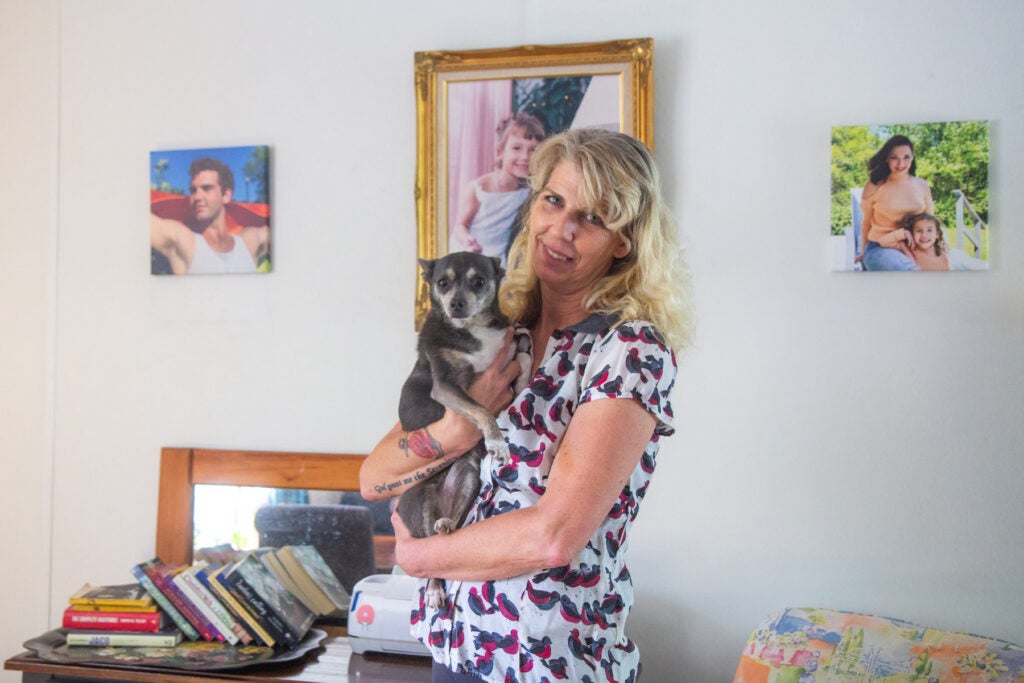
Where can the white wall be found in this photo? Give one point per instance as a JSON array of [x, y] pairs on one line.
[[837, 444], [28, 253]]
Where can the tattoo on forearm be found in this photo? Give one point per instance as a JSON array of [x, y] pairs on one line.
[[422, 444], [411, 479]]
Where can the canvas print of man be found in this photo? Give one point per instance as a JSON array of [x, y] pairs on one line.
[[210, 211]]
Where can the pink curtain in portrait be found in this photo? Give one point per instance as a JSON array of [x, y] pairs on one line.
[[475, 108]]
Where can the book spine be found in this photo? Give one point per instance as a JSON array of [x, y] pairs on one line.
[[165, 603], [239, 627], [108, 608], [163, 581], [114, 621], [108, 602], [183, 581], [267, 618], [123, 639], [222, 612], [241, 611]]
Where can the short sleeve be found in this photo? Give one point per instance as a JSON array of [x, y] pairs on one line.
[[633, 361]]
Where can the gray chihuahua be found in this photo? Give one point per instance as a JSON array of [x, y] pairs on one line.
[[461, 335]]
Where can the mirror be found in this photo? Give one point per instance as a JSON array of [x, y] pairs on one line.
[[184, 470], [228, 514]]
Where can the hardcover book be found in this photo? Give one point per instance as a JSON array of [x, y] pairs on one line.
[[165, 603], [310, 571], [277, 570], [117, 621], [273, 599], [256, 606], [168, 638], [122, 595]]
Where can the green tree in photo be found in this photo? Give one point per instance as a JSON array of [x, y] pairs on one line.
[[852, 146], [255, 173], [160, 170]]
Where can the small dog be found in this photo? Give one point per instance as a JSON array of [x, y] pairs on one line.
[[461, 335]]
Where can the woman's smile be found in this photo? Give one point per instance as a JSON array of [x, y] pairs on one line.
[[572, 245]]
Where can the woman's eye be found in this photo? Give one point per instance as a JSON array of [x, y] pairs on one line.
[[594, 219], [554, 200]]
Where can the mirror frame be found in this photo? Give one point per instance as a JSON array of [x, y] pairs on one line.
[[182, 469]]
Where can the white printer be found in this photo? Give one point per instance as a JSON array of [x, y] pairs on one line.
[[378, 618]]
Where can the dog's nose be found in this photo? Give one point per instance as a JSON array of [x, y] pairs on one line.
[[458, 305]]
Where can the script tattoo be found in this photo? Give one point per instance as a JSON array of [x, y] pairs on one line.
[[412, 479], [422, 444]]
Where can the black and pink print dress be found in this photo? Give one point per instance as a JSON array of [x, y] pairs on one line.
[[566, 623]]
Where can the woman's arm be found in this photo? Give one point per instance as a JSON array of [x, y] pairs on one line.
[[867, 209], [402, 458], [929, 204], [893, 239], [601, 447]]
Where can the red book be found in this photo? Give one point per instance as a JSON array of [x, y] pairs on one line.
[[115, 621]]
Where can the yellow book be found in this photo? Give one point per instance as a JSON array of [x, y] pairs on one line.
[[114, 608], [123, 595]]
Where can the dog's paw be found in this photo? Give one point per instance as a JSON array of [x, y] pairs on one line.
[[499, 448], [435, 596], [525, 365], [444, 525]]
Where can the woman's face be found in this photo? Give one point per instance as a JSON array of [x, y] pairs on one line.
[[900, 158], [925, 234], [572, 248]]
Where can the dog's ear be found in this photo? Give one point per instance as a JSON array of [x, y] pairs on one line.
[[499, 272], [427, 267]]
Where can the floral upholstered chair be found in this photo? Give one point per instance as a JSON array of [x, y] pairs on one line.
[[811, 645]]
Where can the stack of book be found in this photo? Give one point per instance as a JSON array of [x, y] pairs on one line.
[[117, 615], [269, 596]]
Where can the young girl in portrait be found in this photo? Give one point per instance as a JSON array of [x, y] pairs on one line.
[[929, 248], [488, 205]]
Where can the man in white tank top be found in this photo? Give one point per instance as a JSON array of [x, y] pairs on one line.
[[212, 249]]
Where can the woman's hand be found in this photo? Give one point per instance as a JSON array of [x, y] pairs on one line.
[[404, 542], [893, 239]]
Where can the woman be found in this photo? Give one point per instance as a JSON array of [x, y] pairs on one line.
[[893, 191], [537, 584]]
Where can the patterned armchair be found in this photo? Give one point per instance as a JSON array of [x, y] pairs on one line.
[[809, 645]]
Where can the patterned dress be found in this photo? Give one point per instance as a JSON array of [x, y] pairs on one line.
[[564, 623]]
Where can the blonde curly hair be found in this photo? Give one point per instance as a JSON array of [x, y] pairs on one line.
[[621, 184]]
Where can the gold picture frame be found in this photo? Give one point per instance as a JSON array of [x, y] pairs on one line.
[[461, 94]]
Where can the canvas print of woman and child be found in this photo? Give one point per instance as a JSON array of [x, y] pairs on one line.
[[910, 197], [493, 128]]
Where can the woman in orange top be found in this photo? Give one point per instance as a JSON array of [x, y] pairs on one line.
[[892, 192]]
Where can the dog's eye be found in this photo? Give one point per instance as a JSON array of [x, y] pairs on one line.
[[442, 282], [477, 282]]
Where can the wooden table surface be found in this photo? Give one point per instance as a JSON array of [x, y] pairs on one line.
[[332, 662]]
